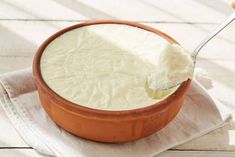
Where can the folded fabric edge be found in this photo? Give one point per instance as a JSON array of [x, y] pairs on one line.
[[225, 121], [15, 79], [19, 123], [222, 108]]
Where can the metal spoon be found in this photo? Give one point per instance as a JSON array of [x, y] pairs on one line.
[[203, 43], [212, 35]]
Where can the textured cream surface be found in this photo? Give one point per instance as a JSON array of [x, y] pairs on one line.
[[103, 66]]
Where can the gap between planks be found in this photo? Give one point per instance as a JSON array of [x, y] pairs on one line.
[[64, 20], [171, 150]]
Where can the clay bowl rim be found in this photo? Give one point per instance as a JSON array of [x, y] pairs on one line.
[[77, 108]]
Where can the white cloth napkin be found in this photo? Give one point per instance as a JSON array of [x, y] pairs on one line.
[[199, 115]]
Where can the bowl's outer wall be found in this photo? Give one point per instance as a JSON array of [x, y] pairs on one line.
[[109, 131], [106, 126]]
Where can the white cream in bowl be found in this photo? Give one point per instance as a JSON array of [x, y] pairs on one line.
[[103, 66]]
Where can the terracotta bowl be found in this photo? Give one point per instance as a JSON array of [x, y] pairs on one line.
[[101, 125]]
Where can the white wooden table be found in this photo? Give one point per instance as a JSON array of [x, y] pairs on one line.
[[24, 24]]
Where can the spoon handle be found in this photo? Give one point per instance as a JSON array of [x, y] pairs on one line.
[[212, 34]]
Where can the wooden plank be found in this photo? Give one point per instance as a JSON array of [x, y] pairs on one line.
[[23, 38], [169, 153], [142, 10], [219, 140], [27, 36], [45, 9], [20, 153], [175, 153]]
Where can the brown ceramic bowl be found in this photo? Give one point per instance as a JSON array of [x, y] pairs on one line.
[[101, 125]]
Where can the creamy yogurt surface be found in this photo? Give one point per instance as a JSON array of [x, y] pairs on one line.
[[103, 66]]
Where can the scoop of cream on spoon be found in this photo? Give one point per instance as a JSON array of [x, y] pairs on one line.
[[176, 65]]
